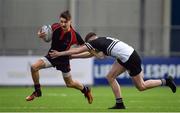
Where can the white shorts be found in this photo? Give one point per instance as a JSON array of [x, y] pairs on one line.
[[46, 61], [122, 51]]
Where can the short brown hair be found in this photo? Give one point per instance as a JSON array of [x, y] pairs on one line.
[[89, 35], [66, 14]]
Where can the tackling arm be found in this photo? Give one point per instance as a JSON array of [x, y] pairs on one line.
[[88, 54], [82, 55], [55, 54], [82, 52]]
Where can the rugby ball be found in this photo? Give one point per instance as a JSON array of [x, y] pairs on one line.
[[48, 31]]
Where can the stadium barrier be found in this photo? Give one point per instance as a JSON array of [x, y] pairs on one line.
[[153, 67], [15, 70]]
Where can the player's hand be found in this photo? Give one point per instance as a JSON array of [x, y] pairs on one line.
[[54, 54], [41, 34], [101, 55]]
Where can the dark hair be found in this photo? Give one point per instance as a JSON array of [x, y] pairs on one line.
[[66, 14], [89, 35]]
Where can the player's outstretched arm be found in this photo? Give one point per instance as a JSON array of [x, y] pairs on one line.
[[55, 54], [82, 55]]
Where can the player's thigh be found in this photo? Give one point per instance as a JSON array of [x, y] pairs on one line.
[[115, 70]]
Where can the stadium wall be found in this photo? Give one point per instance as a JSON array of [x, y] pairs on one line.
[[121, 19]]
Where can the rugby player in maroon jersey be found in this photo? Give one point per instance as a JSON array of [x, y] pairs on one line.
[[63, 36]]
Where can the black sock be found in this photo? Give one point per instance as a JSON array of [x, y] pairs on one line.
[[37, 87], [119, 100], [84, 89]]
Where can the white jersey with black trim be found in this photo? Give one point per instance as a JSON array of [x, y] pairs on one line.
[[111, 47]]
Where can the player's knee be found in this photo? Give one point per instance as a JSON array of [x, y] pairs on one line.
[[141, 87], [34, 68], [69, 85], [109, 78]]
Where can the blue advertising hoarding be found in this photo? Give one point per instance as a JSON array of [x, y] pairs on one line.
[[153, 67]]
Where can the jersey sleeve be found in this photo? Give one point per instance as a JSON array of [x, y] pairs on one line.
[[80, 41], [55, 26], [92, 44]]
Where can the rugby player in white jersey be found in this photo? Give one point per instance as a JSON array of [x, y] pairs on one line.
[[127, 59]]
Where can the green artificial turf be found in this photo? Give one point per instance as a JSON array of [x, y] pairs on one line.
[[62, 99]]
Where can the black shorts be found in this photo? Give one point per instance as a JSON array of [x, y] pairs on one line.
[[133, 65], [61, 63]]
